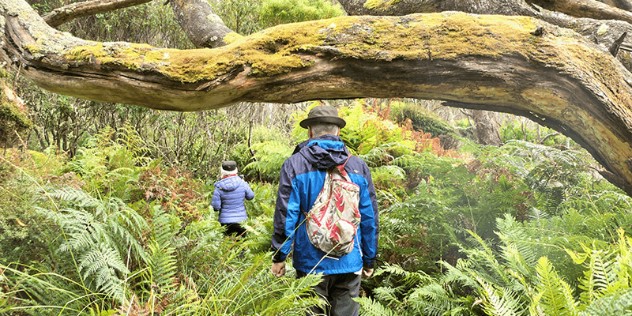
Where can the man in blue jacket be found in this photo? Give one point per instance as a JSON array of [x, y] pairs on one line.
[[302, 178]]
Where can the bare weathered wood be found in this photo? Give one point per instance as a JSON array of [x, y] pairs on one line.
[[586, 9], [203, 27], [72, 11]]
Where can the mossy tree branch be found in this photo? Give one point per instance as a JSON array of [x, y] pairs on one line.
[[558, 77], [597, 21]]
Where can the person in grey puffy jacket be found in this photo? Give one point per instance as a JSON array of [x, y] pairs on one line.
[[228, 199]]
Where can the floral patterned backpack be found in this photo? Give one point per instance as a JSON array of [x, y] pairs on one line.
[[333, 220]]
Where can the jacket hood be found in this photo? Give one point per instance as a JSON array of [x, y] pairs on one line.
[[324, 152], [228, 184]]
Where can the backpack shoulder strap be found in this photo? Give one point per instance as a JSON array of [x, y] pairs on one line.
[[341, 168]]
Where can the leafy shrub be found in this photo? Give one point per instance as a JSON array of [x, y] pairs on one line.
[[517, 130], [24, 233], [267, 162], [240, 16], [175, 190], [275, 12], [421, 119]]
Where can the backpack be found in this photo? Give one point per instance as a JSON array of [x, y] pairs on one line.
[[333, 220]]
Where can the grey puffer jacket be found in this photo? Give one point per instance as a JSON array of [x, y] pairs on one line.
[[228, 199]]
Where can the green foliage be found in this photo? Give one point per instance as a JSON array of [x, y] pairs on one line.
[[137, 24], [275, 12], [420, 119], [401, 292], [98, 235], [370, 307], [22, 230], [553, 295], [268, 159], [108, 166], [242, 17], [512, 280], [240, 292], [520, 130], [519, 229]]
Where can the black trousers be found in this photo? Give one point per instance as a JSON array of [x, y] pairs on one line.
[[338, 290], [234, 229]]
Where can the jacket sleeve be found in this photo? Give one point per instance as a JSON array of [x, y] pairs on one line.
[[285, 215], [216, 201], [369, 221], [249, 193]]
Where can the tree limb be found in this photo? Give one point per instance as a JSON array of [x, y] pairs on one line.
[[203, 27], [585, 9], [559, 77], [72, 11], [603, 32]]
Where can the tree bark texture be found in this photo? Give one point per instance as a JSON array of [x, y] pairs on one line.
[[485, 128], [72, 11], [203, 27], [582, 16], [497, 63]]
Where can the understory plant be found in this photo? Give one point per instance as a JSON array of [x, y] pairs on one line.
[[512, 280]]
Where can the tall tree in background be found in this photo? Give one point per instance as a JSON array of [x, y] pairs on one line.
[[561, 63]]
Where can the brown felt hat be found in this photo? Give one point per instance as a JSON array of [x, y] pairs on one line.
[[323, 114]]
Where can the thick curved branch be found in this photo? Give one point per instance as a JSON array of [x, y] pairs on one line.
[[383, 7], [72, 11], [603, 32], [558, 76], [585, 9], [403, 7], [621, 4]]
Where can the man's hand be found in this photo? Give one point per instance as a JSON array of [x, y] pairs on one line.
[[367, 273], [278, 269]]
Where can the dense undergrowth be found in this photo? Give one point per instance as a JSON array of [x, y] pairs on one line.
[[521, 229], [104, 207]]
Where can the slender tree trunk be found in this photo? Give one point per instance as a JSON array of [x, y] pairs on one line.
[[486, 128]]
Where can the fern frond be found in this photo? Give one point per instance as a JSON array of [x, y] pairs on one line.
[[499, 301], [104, 264], [613, 304], [370, 307], [434, 300], [161, 259], [484, 256], [554, 296]]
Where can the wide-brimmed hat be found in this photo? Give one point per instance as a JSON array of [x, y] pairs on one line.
[[323, 114]]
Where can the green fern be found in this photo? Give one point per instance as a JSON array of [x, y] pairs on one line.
[[608, 271], [161, 259], [43, 293], [99, 234], [554, 296], [234, 288], [613, 304], [104, 265], [370, 307], [499, 301], [437, 299]]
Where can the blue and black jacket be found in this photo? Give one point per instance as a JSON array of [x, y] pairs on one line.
[[302, 177]]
